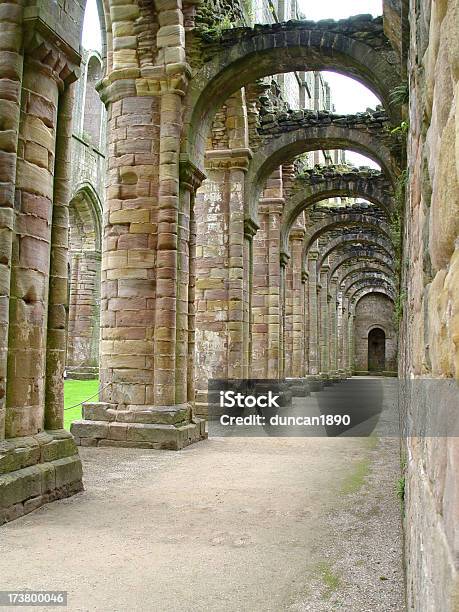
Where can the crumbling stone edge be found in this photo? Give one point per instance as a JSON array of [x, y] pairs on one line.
[[36, 470]]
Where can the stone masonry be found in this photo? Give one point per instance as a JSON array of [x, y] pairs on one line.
[[197, 241]]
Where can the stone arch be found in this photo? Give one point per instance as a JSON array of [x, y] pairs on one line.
[[84, 283], [366, 268], [103, 11], [85, 209], [359, 254], [246, 54], [307, 190], [376, 350], [360, 238], [92, 112], [333, 223], [382, 326], [360, 292], [364, 275], [290, 144]]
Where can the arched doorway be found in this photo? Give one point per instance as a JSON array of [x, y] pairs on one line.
[[84, 285], [376, 350]]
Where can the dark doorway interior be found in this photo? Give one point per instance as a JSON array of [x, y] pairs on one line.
[[376, 350]]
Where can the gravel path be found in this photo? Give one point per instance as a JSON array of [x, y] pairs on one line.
[[229, 524]]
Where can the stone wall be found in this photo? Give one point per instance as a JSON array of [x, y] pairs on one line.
[[430, 328], [87, 189], [374, 310]]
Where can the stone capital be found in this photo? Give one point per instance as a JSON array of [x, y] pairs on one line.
[[271, 206], [228, 159], [304, 276], [297, 233], [190, 175], [313, 255], [284, 258], [250, 228], [48, 52]]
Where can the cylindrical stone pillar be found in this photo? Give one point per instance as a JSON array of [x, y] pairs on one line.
[[305, 281], [31, 252], [56, 342], [333, 313], [314, 364], [287, 324], [324, 321], [167, 282], [284, 258], [11, 42], [296, 241]]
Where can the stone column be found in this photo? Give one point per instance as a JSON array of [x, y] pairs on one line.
[[222, 272], [241, 232], [250, 230], [340, 310], [260, 296], [351, 350], [38, 459], [190, 180], [31, 252], [145, 270], [236, 301], [314, 364], [298, 335], [266, 283], [284, 259], [287, 319], [11, 42], [324, 321], [56, 341], [274, 289], [170, 299], [333, 303], [305, 281], [345, 333]]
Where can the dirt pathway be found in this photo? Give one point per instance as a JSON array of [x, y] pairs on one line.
[[230, 524]]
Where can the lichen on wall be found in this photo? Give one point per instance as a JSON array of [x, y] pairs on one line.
[[430, 326]]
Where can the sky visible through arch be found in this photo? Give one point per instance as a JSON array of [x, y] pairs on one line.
[[348, 96]]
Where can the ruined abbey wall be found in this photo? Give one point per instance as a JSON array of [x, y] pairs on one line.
[[214, 255], [430, 327]]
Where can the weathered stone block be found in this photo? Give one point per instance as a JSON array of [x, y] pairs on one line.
[[18, 453], [89, 429], [18, 486], [98, 411], [68, 470]]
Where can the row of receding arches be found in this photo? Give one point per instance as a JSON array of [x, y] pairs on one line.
[[251, 278]]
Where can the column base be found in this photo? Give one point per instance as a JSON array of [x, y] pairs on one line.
[[299, 387], [156, 427], [315, 383], [36, 470]]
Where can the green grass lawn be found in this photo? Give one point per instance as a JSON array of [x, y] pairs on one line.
[[75, 391]]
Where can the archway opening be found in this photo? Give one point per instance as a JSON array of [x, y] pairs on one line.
[[376, 350]]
